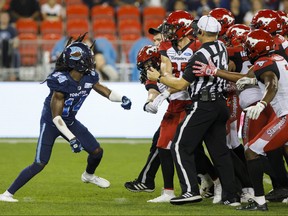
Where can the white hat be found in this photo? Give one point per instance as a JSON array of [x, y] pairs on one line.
[[209, 24]]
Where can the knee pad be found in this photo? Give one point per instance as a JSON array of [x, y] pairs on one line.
[[97, 153], [36, 167]]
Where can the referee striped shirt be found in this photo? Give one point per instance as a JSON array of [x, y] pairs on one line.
[[216, 51]]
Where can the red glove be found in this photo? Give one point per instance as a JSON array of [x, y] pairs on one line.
[[201, 69]]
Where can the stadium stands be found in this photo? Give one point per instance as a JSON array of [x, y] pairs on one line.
[[122, 27]]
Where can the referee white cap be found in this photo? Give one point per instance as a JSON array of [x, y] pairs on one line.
[[209, 24]]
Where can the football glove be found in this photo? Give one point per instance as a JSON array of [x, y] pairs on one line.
[[160, 98], [202, 69], [126, 103], [150, 108], [75, 145], [253, 112], [245, 81]]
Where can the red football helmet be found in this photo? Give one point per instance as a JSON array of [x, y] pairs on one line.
[[224, 17], [236, 34], [268, 20], [284, 18], [177, 25], [258, 43], [148, 57]]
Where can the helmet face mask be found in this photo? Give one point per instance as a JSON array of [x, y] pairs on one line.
[[147, 57], [79, 56]]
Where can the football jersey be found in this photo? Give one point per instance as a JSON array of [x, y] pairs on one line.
[[253, 93], [74, 92], [179, 60], [281, 46], [278, 65]]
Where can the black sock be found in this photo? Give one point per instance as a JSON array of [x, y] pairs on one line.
[[239, 151], [93, 161], [26, 174], [277, 163], [148, 173], [204, 164], [256, 171], [241, 171], [167, 166]]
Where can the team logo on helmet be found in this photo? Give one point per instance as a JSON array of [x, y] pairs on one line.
[[151, 50], [229, 18], [185, 22], [76, 53], [253, 41]]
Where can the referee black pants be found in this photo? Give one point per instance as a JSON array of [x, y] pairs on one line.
[[206, 121]]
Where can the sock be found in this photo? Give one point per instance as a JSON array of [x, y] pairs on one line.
[[277, 163], [26, 174], [93, 161], [260, 200], [241, 171], [167, 166], [256, 171], [239, 151]]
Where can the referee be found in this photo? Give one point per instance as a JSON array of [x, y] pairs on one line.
[[205, 120]]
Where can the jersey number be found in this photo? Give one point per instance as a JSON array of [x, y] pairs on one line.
[[69, 102], [220, 60]]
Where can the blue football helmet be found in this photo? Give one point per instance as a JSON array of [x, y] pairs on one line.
[[80, 57]]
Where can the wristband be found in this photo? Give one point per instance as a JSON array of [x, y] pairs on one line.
[[158, 79], [115, 97], [264, 103]]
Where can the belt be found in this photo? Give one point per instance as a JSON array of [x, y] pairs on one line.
[[208, 96]]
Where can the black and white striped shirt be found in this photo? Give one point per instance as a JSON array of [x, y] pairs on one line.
[[216, 51]]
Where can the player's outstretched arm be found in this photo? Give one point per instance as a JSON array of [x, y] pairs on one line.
[[113, 95]]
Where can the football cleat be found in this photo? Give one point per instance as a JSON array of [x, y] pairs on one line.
[[217, 192], [136, 186], [6, 198], [277, 195], [247, 194], [100, 182], [253, 206], [207, 186], [232, 202], [186, 198], [166, 196]]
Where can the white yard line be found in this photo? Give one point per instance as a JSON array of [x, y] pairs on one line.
[[61, 140]]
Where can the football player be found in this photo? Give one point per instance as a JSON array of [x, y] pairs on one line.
[[270, 71], [70, 84]]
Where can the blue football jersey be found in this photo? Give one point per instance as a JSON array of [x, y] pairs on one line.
[[74, 92]]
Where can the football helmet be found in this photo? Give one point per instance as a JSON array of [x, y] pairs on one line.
[[177, 25], [236, 34], [224, 17], [284, 18], [79, 56], [258, 43], [147, 57], [268, 20]]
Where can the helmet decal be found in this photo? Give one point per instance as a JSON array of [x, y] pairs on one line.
[[76, 53]]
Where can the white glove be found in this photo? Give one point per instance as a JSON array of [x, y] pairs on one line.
[[150, 108], [245, 81], [253, 112], [160, 98]]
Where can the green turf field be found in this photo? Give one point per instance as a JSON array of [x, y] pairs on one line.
[[58, 189]]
